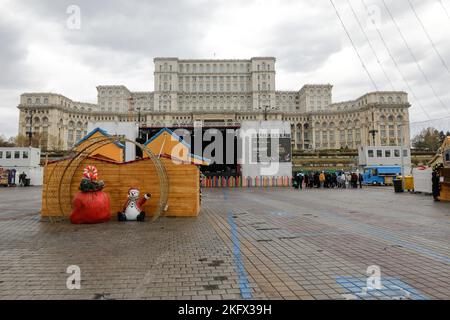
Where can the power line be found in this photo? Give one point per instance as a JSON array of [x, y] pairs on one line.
[[353, 45], [370, 45], [428, 36], [445, 9], [430, 120], [414, 57], [396, 64]]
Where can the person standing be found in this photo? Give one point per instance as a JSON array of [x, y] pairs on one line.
[[300, 180], [354, 181], [361, 179], [334, 180], [317, 180], [347, 180], [322, 179], [295, 181], [306, 181], [435, 185]]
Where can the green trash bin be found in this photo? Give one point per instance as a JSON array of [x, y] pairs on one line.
[[398, 186]]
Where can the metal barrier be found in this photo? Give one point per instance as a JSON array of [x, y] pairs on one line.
[[245, 182]]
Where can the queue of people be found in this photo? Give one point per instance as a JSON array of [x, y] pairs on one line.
[[327, 180]]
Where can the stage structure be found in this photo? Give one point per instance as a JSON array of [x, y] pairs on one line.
[[266, 149]]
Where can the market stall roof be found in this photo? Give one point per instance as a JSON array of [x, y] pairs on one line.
[[112, 151], [166, 142], [100, 131]]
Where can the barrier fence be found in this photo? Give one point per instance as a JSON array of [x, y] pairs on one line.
[[245, 182]]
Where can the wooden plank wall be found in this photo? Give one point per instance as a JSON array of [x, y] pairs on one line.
[[184, 184]]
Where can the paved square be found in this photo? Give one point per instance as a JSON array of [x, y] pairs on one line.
[[246, 244]]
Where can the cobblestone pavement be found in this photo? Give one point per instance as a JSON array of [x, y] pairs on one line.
[[246, 244]]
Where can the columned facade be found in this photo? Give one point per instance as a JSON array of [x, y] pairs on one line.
[[223, 93]]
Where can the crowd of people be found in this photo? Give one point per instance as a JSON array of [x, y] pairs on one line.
[[327, 180]]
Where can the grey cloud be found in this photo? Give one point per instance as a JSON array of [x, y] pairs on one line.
[[300, 50], [155, 28], [13, 53]]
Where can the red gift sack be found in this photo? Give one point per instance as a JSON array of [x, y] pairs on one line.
[[90, 207]]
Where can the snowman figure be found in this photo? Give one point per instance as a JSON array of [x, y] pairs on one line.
[[132, 211]]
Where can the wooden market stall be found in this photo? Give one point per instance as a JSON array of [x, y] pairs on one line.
[[184, 185], [181, 175], [445, 171]]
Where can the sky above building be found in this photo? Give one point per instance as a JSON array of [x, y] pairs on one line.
[[70, 47]]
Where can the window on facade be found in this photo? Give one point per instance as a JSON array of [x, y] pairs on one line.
[[350, 135], [370, 153], [396, 153], [1, 154], [8, 155], [383, 131], [16, 154], [358, 135], [25, 154], [387, 153], [379, 153], [70, 136], [405, 153]]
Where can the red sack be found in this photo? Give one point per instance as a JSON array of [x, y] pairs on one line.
[[90, 207]]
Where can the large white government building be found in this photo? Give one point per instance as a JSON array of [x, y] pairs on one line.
[[223, 93]]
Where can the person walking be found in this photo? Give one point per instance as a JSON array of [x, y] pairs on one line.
[[361, 179]]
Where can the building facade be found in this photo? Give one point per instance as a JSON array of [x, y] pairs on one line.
[[223, 93]]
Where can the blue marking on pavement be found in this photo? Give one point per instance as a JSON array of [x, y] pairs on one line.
[[391, 288], [244, 286], [225, 194]]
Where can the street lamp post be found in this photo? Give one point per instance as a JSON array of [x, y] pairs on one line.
[[265, 110], [373, 132], [401, 156], [30, 133]]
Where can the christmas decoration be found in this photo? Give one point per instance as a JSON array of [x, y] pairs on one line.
[[91, 205], [132, 210]]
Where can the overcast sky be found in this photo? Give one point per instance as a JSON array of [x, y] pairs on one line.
[[118, 39]]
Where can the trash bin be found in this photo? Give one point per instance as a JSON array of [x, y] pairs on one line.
[[27, 182], [398, 187], [409, 183]]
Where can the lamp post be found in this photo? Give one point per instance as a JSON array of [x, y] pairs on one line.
[[265, 110], [373, 132], [401, 156], [30, 133]]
